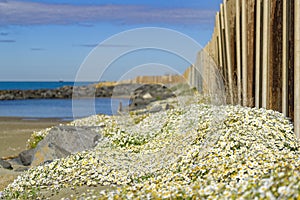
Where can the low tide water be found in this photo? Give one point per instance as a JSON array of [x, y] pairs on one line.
[[32, 85], [59, 108], [55, 108]]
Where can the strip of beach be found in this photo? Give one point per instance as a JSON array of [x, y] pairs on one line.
[[14, 132]]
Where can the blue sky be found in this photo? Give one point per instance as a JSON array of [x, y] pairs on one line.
[[49, 40]]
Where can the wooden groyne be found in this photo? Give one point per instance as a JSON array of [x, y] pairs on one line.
[[165, 79], [255, 47]]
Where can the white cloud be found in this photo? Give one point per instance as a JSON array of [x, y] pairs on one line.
[[104, 45], [37, 49], [7, 41], [30, 13]]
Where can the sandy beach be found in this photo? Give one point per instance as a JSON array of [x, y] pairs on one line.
[[14, 132]]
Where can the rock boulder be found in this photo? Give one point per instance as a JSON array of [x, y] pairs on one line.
[[62, 141], [26, 157], [5, 165]]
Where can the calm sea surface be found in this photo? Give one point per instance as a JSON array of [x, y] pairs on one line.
[[37, 85], [54, 108]]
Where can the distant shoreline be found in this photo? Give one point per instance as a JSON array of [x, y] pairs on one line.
[[69, 92], [80, 92], [35, 85], [58, 103]]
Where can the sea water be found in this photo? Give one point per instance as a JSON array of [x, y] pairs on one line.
[[55, 108], [32, 85]]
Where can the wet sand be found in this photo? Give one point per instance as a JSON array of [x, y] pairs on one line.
[[14, 133]]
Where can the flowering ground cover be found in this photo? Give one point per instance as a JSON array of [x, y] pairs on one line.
[[196, 151]]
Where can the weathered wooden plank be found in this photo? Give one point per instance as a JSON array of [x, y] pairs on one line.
[[220, 48], [238, 51], [297, 69], [223, 44], [285, 54], [228, 52], [244, 52], [265, 59], [258, 54], [250, 23]]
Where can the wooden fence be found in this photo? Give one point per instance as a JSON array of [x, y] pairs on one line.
[[255, 47]]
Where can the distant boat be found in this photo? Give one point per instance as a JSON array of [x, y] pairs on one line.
[[61, 81]]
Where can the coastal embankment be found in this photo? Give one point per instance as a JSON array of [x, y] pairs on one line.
[[192, 150]]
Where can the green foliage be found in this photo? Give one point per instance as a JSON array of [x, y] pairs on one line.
[[32, 193], [140, 118], [34, 140]]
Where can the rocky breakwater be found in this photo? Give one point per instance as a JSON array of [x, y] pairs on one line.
[[146, 94], [65, 92], [138, 92]]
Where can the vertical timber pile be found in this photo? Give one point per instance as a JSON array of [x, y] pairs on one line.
[[228, 51], [223, 43], [297, 69], [291, 60], [265, 62], [244, 51], [220, 52], [285, 55], [238, 51], [258, 55], [276, 52], [250, 24]]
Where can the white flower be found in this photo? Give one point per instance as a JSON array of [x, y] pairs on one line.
[[282, 190]]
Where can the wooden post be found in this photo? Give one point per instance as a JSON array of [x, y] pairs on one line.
[[220, 47], [193, 76], [285, 54], [204, 74], [244, 52], [200, 78], [199, 70], [238, 50], [265, 54], [190, 75], [228, 51], [223, 42], [258, 54], [220, 50], [206, 61], [297, 69]]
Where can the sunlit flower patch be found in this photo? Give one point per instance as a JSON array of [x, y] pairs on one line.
[[194, 152]]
